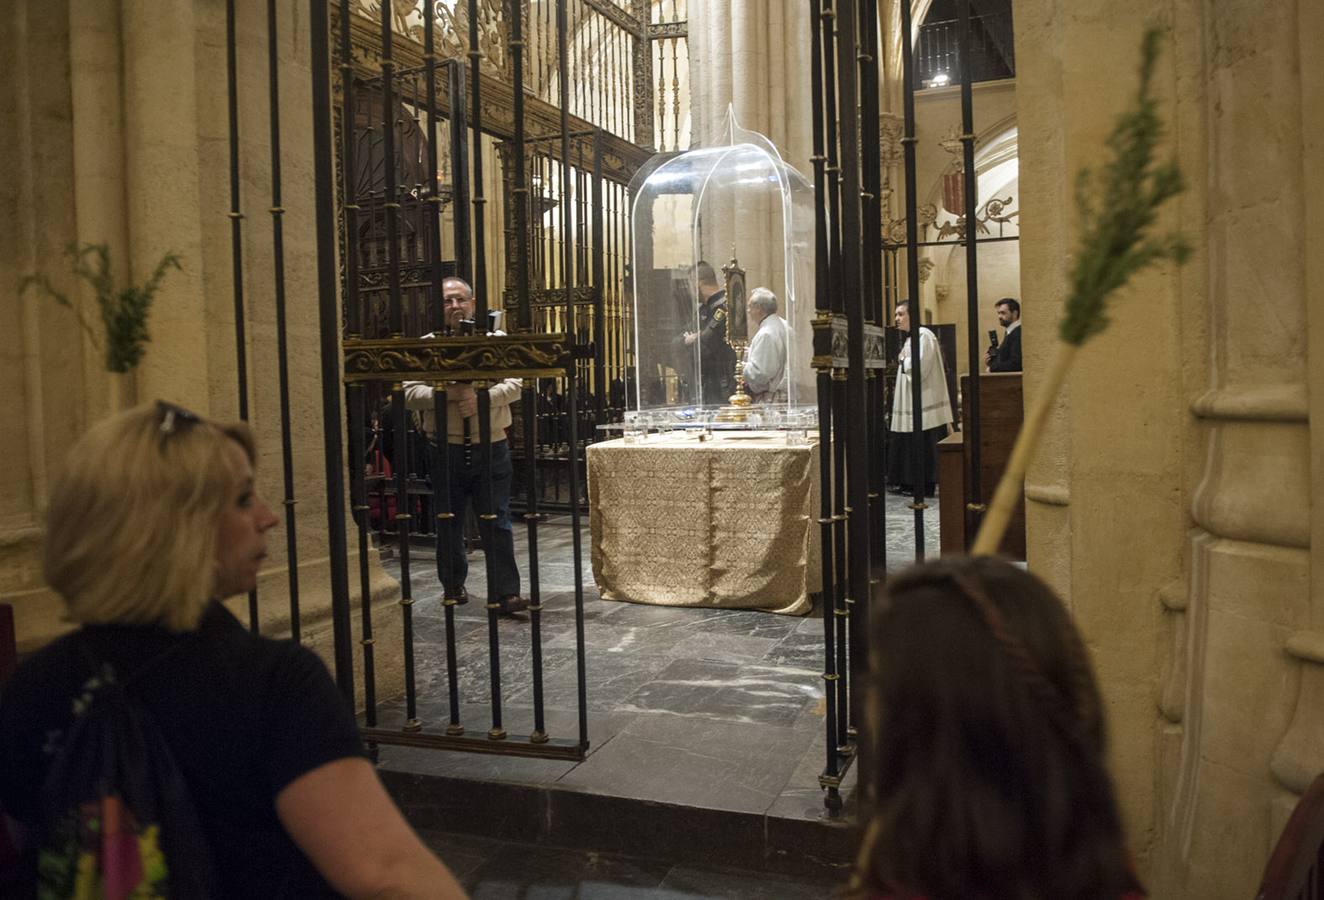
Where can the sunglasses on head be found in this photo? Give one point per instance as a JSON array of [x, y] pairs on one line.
[[173, 419]]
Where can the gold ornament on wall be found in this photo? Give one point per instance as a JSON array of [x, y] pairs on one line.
[[891, 129]]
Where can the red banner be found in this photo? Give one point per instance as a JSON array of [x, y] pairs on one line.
[[953, 193]]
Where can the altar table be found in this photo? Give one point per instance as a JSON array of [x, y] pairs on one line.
[[728, 522]]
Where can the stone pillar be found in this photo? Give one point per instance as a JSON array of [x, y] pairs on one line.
[[42, 355], [96, 96], [1251, 670], [1168, 503], [125, 101], [753, 55]]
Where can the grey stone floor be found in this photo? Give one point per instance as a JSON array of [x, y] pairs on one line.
[[708, 708], [497, 870]]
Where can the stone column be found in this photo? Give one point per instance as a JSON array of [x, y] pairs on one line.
[[162, 180], [116, 132], [96, 101], [42, 355], [1169, 501], [754, 56], [1251, 673]]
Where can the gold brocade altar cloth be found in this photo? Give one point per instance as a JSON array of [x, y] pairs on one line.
[[726, 522]]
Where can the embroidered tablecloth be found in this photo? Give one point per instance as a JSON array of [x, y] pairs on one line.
[[727, 522]]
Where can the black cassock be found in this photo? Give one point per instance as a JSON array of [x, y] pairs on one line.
[[717, 361]]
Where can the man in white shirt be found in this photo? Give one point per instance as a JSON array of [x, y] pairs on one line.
[[765, 364], [467, 466]]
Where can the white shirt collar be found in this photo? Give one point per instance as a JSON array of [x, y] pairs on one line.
[[1013, 326]]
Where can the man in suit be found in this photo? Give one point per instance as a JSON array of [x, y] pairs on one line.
[[1006, 357]]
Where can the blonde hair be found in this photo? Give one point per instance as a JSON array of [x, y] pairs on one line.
[[134, 517]]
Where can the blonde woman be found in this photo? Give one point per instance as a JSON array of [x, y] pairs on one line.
[[154, 520]]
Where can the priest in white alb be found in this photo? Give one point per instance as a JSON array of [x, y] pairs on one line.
[[765, 364], [903, 447]]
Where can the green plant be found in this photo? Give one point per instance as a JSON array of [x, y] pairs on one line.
[[1114, 237], [123, 312]]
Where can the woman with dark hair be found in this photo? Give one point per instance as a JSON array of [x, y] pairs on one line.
[[988, 778]]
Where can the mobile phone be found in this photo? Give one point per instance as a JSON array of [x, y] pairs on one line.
[[992, 339]]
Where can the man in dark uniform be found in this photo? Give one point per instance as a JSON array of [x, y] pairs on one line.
[[717, 361], [1006, 357]]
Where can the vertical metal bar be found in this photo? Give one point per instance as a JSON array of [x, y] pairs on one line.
[[236, 217], [531, 517], [822, 305], [675, 88], [572, 400], [358, 417], [871, 546], [594, 56], [582, 107], [912, 277], [390, 198], [282, 358], [974, 490], [662, 95], [350, 258], [479, 201], [433, 248], [521, 190], [544, 64], [840, 607], [599, 287], [236, 245], [329, 328], [833, 170], [460, 196], [487, 527], [403, 508], [447, 522], [357, 395], [459, 169], [852, 289]]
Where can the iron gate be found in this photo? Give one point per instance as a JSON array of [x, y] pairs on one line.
[[377, 151]]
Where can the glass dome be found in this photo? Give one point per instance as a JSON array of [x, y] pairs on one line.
[[723, 274]]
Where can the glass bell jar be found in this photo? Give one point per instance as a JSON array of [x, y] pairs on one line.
[[723, 274]]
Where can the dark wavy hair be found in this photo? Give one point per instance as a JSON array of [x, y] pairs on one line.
[[988, 777]]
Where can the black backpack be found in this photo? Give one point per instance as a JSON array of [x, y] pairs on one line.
[[118, 820]]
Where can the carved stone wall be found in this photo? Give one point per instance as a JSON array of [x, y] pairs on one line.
[[114, 132], [1171, 503]]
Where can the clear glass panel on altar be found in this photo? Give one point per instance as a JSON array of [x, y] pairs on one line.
[[723, 275]]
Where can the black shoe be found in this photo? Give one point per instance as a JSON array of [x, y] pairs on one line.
[[509, 606], [460, 597]]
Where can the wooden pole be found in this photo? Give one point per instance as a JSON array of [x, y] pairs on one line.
[[1010, 486]]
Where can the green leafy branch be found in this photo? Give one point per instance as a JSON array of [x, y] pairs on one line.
[[123, 312], [1114, 236], [1115, 243]]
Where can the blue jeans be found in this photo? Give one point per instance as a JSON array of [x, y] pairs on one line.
[[469, 483]]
